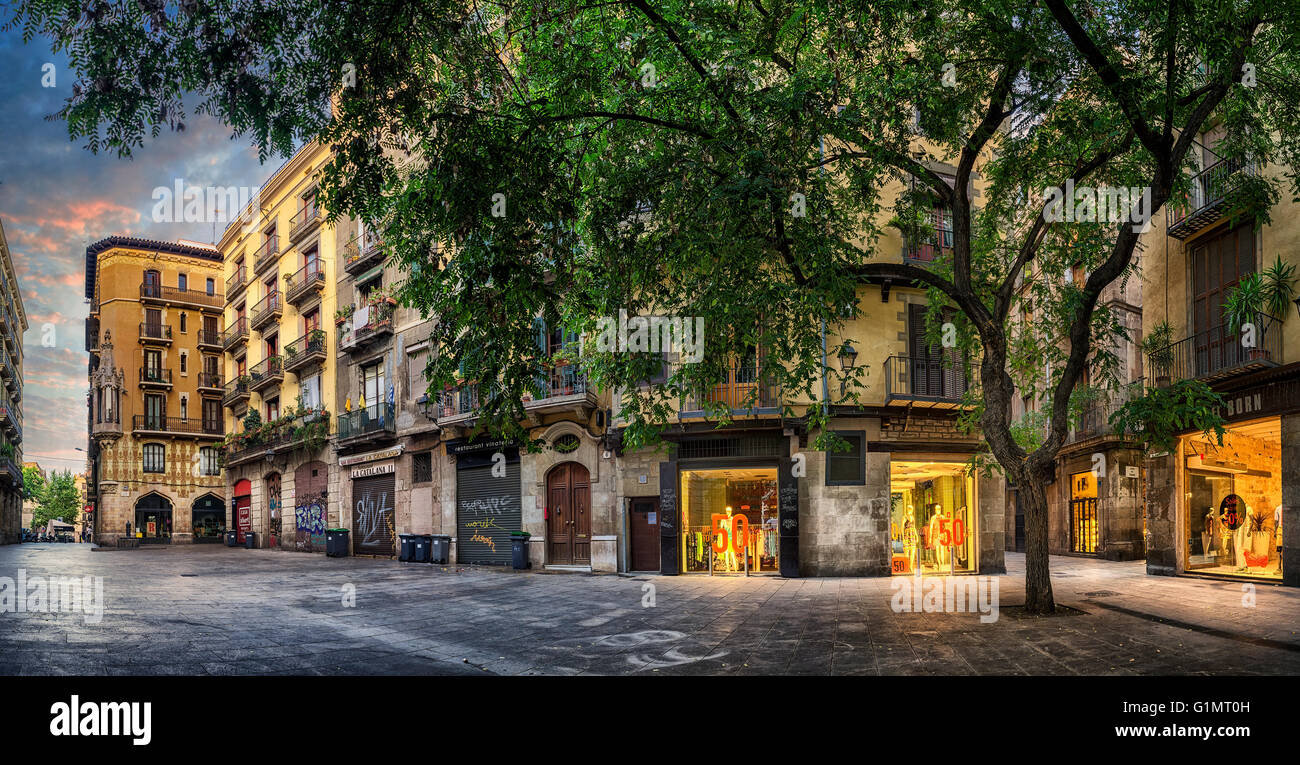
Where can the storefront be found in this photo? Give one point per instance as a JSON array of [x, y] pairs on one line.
[[933, 517], [153, 518], [208, 518], [1231, 509], [729, 505], [241, 505], [489, 502], [730, 520]]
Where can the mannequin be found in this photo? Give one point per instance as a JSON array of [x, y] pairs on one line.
[[1277, 535], [729, 557], [933, 535], [1210, 533]]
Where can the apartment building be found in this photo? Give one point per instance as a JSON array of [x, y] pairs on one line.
[[1095, 506], [879, 509], [154, 414], [13, 323], [386, 436], [1226, 510], [278, 386]]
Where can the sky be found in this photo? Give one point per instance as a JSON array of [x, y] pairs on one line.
[[56, 197]]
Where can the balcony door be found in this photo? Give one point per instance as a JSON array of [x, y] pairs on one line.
[[1218, 263], [929, 374], [155, 412]]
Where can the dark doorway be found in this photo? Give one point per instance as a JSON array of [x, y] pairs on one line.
[[643, 534]]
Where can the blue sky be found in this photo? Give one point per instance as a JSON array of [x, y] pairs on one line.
[[55, 198]]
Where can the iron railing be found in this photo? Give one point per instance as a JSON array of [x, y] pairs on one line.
[[1210, 188], [304, 280], [156, 332], [372, 420], [914, 378], [155, 376], [158, 292], [1220, 352], [176, 425], [235, 333]]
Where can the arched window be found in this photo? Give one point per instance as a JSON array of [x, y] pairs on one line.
[[154, 458]]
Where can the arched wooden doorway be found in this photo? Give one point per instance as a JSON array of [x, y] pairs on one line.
[[568, 514]]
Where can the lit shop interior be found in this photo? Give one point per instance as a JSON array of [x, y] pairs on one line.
[[932, 518], [729, 521], [1232, 501]]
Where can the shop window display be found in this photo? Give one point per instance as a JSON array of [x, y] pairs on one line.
[[932, 518], [729, 519], [1233, 503]]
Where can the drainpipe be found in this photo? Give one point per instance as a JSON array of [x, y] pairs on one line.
[[826, 388]]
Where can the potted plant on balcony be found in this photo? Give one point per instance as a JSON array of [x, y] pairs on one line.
[[1242, 311], [316, 337], [342, 315], [1159, 349]]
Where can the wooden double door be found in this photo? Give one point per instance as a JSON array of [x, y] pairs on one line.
[[568, 514]]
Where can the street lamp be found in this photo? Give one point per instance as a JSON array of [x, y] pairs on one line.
[[848, 356]]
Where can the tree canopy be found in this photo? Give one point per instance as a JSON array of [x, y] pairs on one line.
[[736, 161]]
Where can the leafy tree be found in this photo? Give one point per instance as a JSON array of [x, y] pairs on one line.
[[34, 486], [648, 155], [59, 500]]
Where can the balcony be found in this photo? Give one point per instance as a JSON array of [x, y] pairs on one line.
[[743, 390], [308, 281], [236, 391], [10, 474], [561, 389], [155, 378], [373, 423], [235, 334], [1215, 192], [359, 257], [925, 382], [210, 339], [267, 310], [281, 437], [157, 425], [1094, 421], [92, 334], [210, 382], [457, 405], [305, 351], [9, 422], [266, 255], [160, 295], [156, 333], [268, 372], [306, 221], [1218, 353], [370, 324], [237, 283]]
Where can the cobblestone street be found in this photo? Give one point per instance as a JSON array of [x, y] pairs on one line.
[[209, 610]]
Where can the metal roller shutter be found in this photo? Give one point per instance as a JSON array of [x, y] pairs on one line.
[[373, 524], [487, 510]]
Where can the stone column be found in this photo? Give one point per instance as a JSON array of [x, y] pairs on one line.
[[1162, 515], [1291, 500], [992, 504]]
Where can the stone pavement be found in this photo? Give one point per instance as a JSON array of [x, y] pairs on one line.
[[213, 610]]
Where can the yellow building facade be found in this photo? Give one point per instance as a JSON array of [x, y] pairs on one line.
[[278, 343], [155, 395]]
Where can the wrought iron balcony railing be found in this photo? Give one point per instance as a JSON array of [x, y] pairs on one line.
[[267, 254], [158, 293], [1218, 352], [161, 333], [375, 420], [148, 423], [926, 381], [155, 376], [235, 333], [1213, 193]]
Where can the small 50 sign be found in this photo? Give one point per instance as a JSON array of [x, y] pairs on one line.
[[734, 538]]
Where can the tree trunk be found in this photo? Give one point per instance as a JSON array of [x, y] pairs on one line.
[[1038, 577]]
